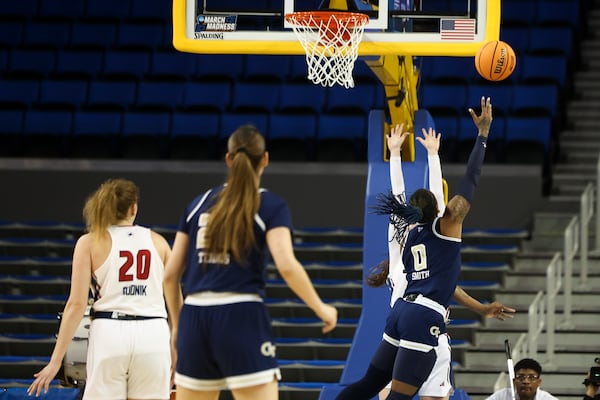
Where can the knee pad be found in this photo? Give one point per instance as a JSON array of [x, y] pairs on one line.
[[413, 366]]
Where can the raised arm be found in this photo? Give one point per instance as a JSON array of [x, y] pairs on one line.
[[394, 142], [431, 142], [460, 204]]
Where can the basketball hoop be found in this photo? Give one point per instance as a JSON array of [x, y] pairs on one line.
[[330, 39]]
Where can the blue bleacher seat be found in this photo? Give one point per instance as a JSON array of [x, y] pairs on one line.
[[79, 64], [144, 134], [444, 99], [540, 100], [46, 133], [12, 121], [517, 37], [22, 9], [53, 35], [266, 67], [115, 10], [291, 137], [173, 65], [544, 69], [11, 34], [231, 121], [160, 94], [447, 126], [140, 36], [341, 137], [359, 99], [254, 96], [62, 9], [452, 70], [19, 93], [31, 63], [528, 139], [207, 96], [559, 13], [518, 12], [298, 69], [194, 135], [495, 143], [126, 64], [94, 35], [501, 95], [159, 11], [555, 40], [69, 94], [436, 6], [95, 133], [219, 66], [115, 95], [301, 97]]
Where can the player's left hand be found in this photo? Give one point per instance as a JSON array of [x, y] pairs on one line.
[[499, 311]]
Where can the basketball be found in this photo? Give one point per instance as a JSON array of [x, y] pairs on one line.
[[495, 60]]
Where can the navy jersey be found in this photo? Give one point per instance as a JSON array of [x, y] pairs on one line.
[[432, 262], [206, 272]]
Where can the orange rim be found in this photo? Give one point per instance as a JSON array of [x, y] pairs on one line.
[[316, 18]]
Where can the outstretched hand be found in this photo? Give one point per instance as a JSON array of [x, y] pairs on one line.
[[483, 121], [498, 310], [396, 138], [430, 140]]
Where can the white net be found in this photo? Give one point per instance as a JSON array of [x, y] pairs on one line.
[[331, 41]]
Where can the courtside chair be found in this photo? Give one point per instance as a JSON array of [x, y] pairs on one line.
[[119, 64], [95, 134], [173, 65], [11, 34], [19, 94], [30, 63], [163, 95], [266, 68], [145, 134], [194, 135], [219, 67], [47, 35], [79, 64], [63, 94], [301, 97], [254, 96], [291, 136], [12, 121], [528, 140], [341, 138], [111, 95], [113, 10], [140, 36], [207, 96], [98, 35], [47, 133], [62, 10], [18, 10]]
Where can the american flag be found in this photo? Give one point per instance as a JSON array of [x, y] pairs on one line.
[[457, 29]]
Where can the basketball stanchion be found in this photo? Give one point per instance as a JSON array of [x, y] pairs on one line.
[[331, 40]]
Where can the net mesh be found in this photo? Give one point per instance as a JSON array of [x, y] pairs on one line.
[[330, 40]]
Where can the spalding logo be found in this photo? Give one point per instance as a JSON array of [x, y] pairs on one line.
[[500, 62]]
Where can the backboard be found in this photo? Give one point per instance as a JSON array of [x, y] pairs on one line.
[[400, 27]]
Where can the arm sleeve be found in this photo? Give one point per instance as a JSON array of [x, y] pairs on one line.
[[435, 181], [397, 177], [468, 183]]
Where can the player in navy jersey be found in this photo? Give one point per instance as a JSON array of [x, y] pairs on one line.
[[215, 281], [431, 256], [128, 354]]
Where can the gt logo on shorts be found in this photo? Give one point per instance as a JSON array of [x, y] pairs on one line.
[[267, 349], [435, 331]]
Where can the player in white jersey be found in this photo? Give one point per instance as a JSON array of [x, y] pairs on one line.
[[128, 353]]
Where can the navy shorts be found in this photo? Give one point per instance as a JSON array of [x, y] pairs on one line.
[[414, 323], [229, 345]]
